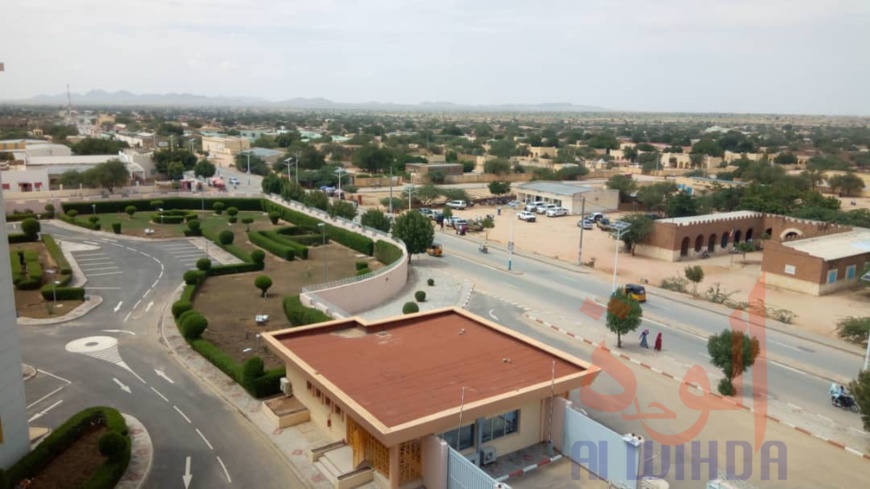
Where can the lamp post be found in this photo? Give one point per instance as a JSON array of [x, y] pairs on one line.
[[391, 188], [410, 193], [582, 219], [160, 209], [202, 195], [511, 242], [296, 163], [340, 172], [620, 228], [54, 289], [94, 207], [322, 227], [867, 355], [249, 161]]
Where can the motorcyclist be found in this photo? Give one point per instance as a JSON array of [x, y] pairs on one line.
[[483, 248]]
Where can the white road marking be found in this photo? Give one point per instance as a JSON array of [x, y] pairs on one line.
[[787, 346], [103, 274], [119, 331], [155, 283], [492, 315], [118, 306], [856, 430], [52, 375], [137, 303], [150, 303], [226, 472], [161, 373], [182, 414], [104, 288], [127, 316], [145, 254], [44, 412], [146, 293], [788, 368], [204, 439], [854, 452], [100, 269], [131, 249], [159, 394], [34, 403], [122, 386], [825, 418]]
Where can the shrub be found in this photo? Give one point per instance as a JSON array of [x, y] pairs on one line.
[[112, 444], [226, 237], [299, 315], [184, 315], [431, 282], [49, 292], [156, 204], [194, 227], [193, 326], [49, 210], [203, 264], [258, 256], [193, 277], [190, 217], [116, 227], [274, 216], [278, 249], [410, 308], [179, 307], [351, 189], [30, 226], [420, 296], [252, 368], [232, 211], [130, 210], [56, 254], [218, 208], [247, 222], [263, 283], [387, 253], [72, 213], [93, 219], [726, 387], [361, 264], [232, 219], [363, 271]]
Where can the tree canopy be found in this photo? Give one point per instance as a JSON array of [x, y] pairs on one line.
[[624, 315], [415, 230], [732, 352]]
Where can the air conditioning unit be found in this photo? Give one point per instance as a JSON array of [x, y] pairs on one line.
[[488, 455], [286, 386], [474, 458]]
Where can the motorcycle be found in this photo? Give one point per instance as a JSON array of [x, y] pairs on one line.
[[843, 401], [483, 249]]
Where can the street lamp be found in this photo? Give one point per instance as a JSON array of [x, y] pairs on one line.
[[249, 161], [511, 242], [94, 207], [340, 172], [322, 227], [296, 163], [54, 289], [160, 209], [620, 228], [410, 192]]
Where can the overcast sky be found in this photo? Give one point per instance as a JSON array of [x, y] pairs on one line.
[[783, 56]]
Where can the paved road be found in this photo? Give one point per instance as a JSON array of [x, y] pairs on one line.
[[559, 291], [81, 366]]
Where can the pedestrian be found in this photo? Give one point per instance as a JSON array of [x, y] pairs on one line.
[[643, 343], [658, 346], [442, 223], [499, 210]]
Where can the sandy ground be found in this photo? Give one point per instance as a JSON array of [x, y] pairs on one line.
[[559, 238]]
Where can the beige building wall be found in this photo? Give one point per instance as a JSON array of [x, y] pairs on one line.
[[434, 462], [322, 416], [540, 151], [229, 145]]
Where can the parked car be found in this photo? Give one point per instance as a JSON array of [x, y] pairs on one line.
[[457, 221], [596, 216], [457, 204], [604, 224], [427, 212], [586, 223], [532, 206], [546, 208], [513, 204], [233, 180], [526, 216], [557, 212]]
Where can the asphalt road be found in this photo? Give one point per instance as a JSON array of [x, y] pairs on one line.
[[545, 287], [81, 365]]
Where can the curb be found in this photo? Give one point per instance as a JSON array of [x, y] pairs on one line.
[[468, 295], [79, 311], [623, 356], [141, 455], [525, 470], [27, 371]]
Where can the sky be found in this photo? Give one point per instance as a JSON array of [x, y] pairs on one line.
[[755, 56]]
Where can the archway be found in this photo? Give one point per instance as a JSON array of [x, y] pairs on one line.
[[699, 242], [749, 234], [684, 247], [724, 243], [790, 233], [737, 235], [769, 232], [711, 243]]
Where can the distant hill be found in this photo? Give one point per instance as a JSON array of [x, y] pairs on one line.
[[124, 98]]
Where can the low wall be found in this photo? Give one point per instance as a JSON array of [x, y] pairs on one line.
[[434, 462]]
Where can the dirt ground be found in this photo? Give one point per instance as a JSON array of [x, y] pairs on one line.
[[559, 238], [29, 303], [75, 465], [231, 302]]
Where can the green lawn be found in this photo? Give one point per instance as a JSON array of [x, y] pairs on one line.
[[211, 223]]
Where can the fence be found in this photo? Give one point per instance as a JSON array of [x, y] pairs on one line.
[[463, 474], [600, 450]]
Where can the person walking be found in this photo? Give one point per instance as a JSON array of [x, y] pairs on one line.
[[658, 346], [643, 343]]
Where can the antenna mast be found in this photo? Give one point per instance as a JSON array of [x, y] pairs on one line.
[[68, 105]]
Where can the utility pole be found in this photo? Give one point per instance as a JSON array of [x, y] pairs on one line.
[[391, 188], [297, 169], [582, 218]]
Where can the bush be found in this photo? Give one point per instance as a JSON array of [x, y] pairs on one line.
[[351, 189], [252, 368], [232, 211], [30, 226], [56, 254], [299, 315], [258, 256], [387, 253], [725, 387], [262, 240], [48, 292], [218, 208], [361, 264], [350, 239], [112, 445], [232, 219], [363, 271], [274, 217], [116, 227], [194, 277], [203, 264], [420, 296], [93, 220], [130, 210], [263, 283], [186, 314], [430, 282], [226, 237], [180, 306], [854, 329], [193, 326], [410, 308]]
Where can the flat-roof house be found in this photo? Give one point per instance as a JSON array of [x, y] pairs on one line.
[[569, 196], [383, 391]]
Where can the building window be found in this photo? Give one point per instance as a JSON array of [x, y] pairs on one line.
[[850, 272], [832, 276], [466, 438], [499, 426]]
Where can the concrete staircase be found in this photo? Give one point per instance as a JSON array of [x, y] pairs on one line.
[[335, 463]]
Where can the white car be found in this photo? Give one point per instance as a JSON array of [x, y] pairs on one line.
[[457, 204], [557, 212], [586, 223], [234, 181], [544, 208], [526, 216]]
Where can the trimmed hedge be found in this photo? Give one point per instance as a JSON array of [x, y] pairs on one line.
[[299, 315], [106, 475], [387, 253], [33, 279], [20, 216], [56, 254], [167, 218], [181, 306], [62, 293], [144, 205], [22, 238], [351, 239], [235, 268], [261, 239]]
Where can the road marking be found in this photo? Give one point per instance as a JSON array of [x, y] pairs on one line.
[[161, 273], [52, 375], [44, 412], [118, 306], [118, 331], [137, 303], [783, 344], [34, 403], [161, 373], [131, 249], [146, 293], [155, 283], [103, 274], [705, 355], [492, 315], [127, 316], [145, 254], [100, 269], [854, 452], [788, 368], [150, 303], [104, 288], [794, 406], [187, 476], [204, 439], [182, 414], [91, 243], [856, 430], [159, 394], [122, 386], [226, 472]]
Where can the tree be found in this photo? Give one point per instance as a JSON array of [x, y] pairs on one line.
[[415, 230], [437, 176], [258, 166], [316, 199], [573, 172], [503, 148], [847, 184], [499, 188], [732, 352], [175, 170], [204, 168], [630, 153], [162, 159], [641, 225], [247, 222], [373, 159], [30, 227], [203, 264], [425, 194], [376, 219], [109, 175], [785, 158], [71, 179], [681, 204], [342, 208], [263, 283], [695, 274], [708, 146], [624, 315], [625, 184], [497, 166], [653, 197], [94, 146], [130, 210], [488, 223], [860, 389], [397, 203], [854, 329]]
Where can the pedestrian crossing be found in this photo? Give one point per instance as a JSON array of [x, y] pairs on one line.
[[185, 252], [96, 263]]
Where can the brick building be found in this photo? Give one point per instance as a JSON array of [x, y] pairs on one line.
[[806, 256]]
